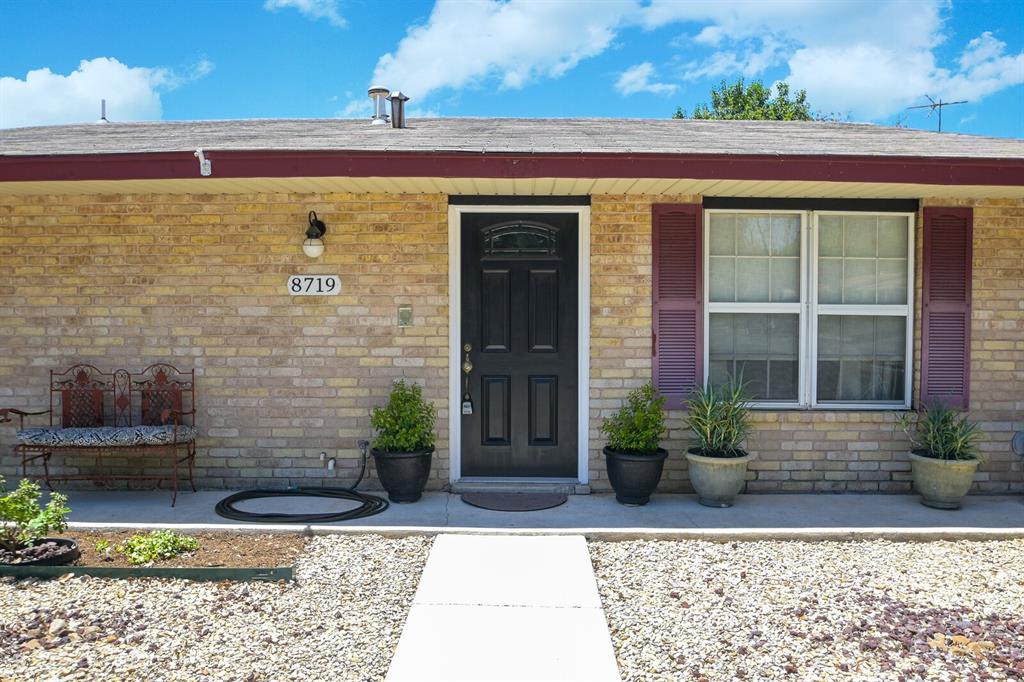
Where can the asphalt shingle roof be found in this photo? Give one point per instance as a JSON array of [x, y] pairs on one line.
[[508, 135]]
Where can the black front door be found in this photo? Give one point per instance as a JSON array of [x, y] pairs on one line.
[[519, 320]]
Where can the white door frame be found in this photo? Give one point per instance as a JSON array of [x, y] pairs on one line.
[[455, 331]]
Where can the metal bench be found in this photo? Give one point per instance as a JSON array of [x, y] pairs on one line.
[[112, 415]]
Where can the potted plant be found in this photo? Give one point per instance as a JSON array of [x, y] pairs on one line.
[[24, 525], [719, 418], [633, 455], [405, 442], [944, 454]]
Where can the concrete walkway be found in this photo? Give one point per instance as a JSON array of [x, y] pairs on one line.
[[498, 608], [593, 515]]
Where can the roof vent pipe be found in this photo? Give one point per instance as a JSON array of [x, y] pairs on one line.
[[103, 112], [398, 101], [379, 95]]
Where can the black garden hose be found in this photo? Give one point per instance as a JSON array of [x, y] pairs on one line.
[[369, 504]]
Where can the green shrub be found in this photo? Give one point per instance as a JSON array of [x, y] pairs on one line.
[[638, 426], [157, 546], [406, 423], [941, 433], [23, 521], [719, 417]]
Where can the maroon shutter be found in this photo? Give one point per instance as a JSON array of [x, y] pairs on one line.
[[946, 314], [678, 316]]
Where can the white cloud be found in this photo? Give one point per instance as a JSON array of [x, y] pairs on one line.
[[637, 78], [313, 9], [515, 42], [132, 93], [869, 59], [984, 69]]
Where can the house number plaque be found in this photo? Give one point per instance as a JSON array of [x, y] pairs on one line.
[[314, 285]]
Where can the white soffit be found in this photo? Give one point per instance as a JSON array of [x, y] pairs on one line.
[[516, 187]]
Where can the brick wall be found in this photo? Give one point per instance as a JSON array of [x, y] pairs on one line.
[[126, 280], [804, 451], [199, 280]]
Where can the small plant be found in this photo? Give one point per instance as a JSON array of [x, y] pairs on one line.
[[638, 426], [103, 548], [23, 521], [406, 423], [156, 546], [941, 433], [719, 417]]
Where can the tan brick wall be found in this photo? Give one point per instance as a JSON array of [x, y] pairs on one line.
[[125, 280], [199, 280], [804, 451]]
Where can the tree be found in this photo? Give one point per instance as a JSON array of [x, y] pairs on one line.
[[754, 102]]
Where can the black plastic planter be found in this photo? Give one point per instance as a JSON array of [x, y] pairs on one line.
[[66, 557], [634, 477], [403, 474]]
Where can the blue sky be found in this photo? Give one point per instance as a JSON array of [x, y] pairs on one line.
[[864, 59]]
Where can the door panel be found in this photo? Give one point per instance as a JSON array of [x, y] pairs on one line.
[[519, 315]]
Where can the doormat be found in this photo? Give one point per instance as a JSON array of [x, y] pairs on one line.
[[515, 502]]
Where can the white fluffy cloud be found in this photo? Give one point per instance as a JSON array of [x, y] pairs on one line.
[[868, 59], [638, 79], [313, 9], [515, 42], [132, 93]]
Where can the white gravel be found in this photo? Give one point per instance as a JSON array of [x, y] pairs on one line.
[[340, 620], [694, 610]]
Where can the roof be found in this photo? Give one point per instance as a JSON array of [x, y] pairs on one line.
[[509, 135]]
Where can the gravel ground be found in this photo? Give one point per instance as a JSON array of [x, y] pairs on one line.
[[877, 610], [340, 620]]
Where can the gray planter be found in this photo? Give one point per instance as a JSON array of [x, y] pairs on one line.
[[717, 480], [942, 483]]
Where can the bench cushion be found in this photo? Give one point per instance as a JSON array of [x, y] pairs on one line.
[[106, 436]]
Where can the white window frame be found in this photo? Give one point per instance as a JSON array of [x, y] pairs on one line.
[[809, 309], [876, 310]]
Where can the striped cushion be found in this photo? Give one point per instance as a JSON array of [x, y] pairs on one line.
[[112, 436]]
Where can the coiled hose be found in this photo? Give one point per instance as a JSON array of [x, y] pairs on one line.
[[369, 504]]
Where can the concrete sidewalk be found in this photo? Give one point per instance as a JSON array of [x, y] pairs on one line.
[[501, 609], [592, 515]]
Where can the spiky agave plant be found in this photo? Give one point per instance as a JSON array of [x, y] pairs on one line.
[[941, 433], [719, 417]]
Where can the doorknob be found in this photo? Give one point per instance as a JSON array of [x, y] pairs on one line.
[[467, 367]]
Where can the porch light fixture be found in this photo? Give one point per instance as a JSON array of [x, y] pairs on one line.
[[314, 244]]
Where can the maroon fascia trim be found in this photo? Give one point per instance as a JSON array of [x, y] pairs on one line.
[[285, 164]]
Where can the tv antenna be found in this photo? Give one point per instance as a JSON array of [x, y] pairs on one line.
[[937, 106]]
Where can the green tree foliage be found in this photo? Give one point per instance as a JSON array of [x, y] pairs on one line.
[[22, 520], [754, 102], [638, 426], [406, 423]]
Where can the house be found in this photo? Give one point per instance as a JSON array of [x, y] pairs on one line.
[[846, 271]]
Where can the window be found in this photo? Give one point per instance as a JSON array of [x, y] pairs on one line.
[[810, 308]]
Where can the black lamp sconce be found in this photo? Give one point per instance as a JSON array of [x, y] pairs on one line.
[[314, 244]]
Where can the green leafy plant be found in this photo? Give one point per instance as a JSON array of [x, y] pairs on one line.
[[158, 545], [719, 417], [406, 423], [23, 521], [756, 102], [103, 547], [638, 425], [941, 433]]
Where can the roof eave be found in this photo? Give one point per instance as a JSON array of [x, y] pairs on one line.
[[286, 164]]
